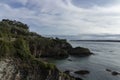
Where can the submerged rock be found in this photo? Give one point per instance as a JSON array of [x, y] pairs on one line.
[[108, 70], [82, 72], [80, 51]]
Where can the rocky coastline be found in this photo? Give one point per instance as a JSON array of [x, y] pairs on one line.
[[21, 52]]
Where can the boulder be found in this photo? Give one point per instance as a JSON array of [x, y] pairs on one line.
[[80, 51]]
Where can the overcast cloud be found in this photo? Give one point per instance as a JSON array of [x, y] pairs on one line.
[[65, 17]]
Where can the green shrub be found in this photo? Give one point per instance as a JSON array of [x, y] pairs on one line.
[[6, 49], [22, 49]]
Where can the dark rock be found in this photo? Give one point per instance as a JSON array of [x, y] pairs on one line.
[[108, 70], [78, 79], [114, 73], [79, 51], [82, 72]]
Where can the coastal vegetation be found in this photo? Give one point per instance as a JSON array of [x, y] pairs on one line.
[[16, 35]]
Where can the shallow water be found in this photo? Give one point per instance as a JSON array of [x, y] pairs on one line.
[[107, 56]]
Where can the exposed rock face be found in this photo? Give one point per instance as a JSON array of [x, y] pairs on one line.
[[10, 71], [55, 53], [80, 51], [49, 47]]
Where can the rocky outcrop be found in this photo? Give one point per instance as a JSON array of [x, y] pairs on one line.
[[21, 51], [80, 51]]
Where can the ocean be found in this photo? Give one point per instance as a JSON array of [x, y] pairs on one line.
[[106, 56]]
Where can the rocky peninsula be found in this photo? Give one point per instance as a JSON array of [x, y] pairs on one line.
[[21, 52]]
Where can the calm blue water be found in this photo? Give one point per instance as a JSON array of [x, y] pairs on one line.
[[107, 56]]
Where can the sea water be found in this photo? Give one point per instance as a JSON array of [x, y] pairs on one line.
[[106, 56]]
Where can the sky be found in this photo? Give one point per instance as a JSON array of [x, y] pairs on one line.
[[65, 17]]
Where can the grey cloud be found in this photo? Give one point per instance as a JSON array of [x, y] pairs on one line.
[[62, 17]]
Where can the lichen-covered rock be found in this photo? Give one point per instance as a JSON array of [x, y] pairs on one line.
[[7, 70]]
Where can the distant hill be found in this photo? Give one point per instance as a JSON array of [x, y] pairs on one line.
[[98, 40]]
